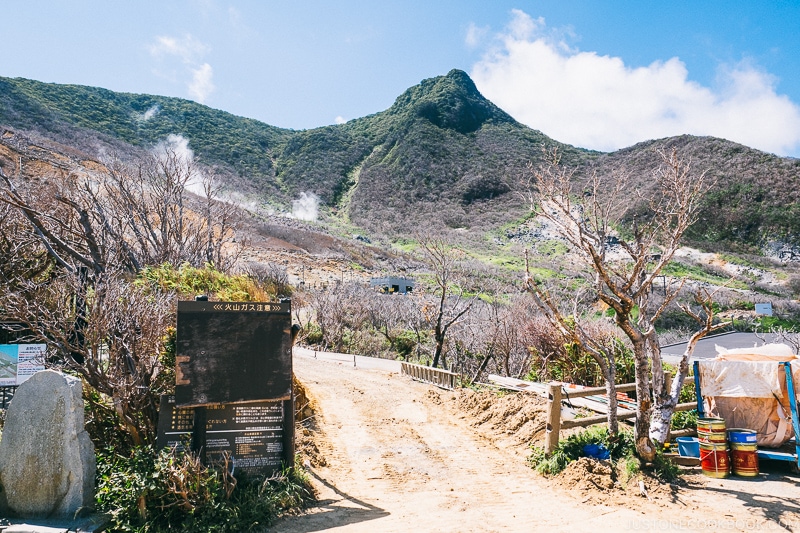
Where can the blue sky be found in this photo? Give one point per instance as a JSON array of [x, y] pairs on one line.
[[597, 74]]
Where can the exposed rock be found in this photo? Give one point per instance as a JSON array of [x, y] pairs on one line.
[[47, 461]]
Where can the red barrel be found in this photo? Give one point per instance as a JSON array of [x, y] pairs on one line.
[[714, 459], [744, 459]]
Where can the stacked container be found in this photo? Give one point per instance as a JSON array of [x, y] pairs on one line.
[[714, 457], [744, 456]]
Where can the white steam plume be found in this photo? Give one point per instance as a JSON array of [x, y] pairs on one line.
[[306, 207], [179, 146]]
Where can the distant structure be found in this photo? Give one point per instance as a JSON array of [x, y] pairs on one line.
[[392, 284], [764, 309]]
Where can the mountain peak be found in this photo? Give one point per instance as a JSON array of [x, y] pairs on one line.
[[450, 102]]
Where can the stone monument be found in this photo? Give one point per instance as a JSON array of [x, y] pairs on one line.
[[47, 461]]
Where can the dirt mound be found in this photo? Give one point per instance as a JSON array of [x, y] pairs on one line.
[[521, 415], [307, 441], [587, 474], [304, 406], [599, 482]]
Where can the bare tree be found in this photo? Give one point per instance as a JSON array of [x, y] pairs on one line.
[[112, 337], [129, 217], [667, 398], [385, 313], [587, 221], [21, 253], [76, 241], [450, 290]]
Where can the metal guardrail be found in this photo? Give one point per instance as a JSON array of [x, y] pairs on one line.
[[436, 376]]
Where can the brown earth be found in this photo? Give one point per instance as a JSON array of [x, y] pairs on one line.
[[389, 454]]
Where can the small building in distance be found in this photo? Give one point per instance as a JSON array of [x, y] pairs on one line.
[[392, 284]]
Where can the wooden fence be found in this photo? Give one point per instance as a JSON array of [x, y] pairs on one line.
[[436, 376], [556, 393]]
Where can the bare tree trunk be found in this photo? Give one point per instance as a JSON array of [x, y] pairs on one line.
[[483, 366], [438, 335], [668, 398], [641, 429], [610, 375]]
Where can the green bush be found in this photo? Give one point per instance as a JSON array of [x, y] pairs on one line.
[[571, 448], [313, 334], [621, 450], [189, 281], [684, 419], [405, 344], [151, 491]]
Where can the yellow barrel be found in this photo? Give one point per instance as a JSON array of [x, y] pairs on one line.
[[711, 430]]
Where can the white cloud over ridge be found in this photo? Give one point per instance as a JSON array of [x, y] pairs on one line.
[[598, 102], [201, 86], [186, 48], [189, 51]]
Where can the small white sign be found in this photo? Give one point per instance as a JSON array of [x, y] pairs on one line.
[[764, 309], [18, 362]]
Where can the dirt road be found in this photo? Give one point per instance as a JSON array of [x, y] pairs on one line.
[[396, 459]]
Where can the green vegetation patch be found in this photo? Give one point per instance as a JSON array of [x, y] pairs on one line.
[[596, 440], [682, 270], [152, 491], [189, 281]]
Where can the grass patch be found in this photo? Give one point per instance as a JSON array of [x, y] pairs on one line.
[[620, 450], [152, 491], [552, 247], [189, 281], [408, 246], [681, 270]]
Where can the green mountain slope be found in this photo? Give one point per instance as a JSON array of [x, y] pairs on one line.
[[442, 156], [73, 115], [755, 197]]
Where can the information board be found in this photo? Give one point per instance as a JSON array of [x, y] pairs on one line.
[[232, 352], [18, 362], [251, 434], [175, 424]]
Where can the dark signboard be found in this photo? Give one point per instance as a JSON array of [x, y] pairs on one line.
[[251, 433], [231, 352], [175, 424], [256, 436]]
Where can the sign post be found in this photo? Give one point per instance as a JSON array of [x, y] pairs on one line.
[[233, 392]]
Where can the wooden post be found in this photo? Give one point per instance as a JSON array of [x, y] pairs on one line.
[[553, 417]]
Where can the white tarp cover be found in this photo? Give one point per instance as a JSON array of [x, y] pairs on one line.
[[740, 379], [747, 388], [775, 352]]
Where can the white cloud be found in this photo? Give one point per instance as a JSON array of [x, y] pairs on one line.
[[201, 85], [339, 120], [189, 52], [475, 35], [598, 102], [186, 48]]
